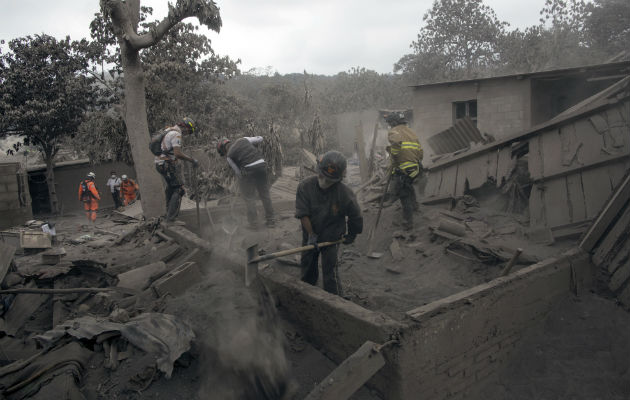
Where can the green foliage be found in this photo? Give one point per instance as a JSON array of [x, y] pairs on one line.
[[459, 38], [464, 39], [102, 137], [44, 91]]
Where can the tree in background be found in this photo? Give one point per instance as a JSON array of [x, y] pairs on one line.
[[125, 17], [44, 94], [460, 38], [608, 27]]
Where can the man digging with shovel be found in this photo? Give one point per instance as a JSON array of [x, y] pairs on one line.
[[322, 204]]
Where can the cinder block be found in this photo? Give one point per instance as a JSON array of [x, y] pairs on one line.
[[11, 187], [178, 280]]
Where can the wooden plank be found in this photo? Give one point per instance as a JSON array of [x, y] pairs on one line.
[[620, 277], [616, 172], [608, 242], [493, 163], [570, 145], [476, 171], [535, 158], [592, 143], [350, 375], [460, 182], [433, 181], [449, 179], [556, 202], [22, 309], [624, 297], [614, 205], [577, 206], [597, 189], [620, 258], [6, 256], [537, 206], [618, 128], [505, 164], [551, 148]]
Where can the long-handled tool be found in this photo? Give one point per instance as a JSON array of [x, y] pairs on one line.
[[251, 269], [196, 179], [371, 236]]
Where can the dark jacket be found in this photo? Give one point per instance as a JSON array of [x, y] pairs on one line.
[[328, 209], [243, 153]]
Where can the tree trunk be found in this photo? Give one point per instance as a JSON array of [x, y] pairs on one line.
[[50, 182], [153, 201]]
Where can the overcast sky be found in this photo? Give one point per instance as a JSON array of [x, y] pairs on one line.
[[321, 36]]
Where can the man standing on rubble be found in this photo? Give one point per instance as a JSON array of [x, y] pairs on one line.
[[89, 196], [249, 166], [406, 164], [114, 185], [166, 164], [322, 204]]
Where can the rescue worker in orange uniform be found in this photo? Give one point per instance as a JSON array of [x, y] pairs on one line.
[[88, 194], [128, 189], [406, 162]]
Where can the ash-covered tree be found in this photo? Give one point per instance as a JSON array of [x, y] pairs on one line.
[[125, 19], [459, 39], [44, 94]]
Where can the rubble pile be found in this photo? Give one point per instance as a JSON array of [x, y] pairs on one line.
[[92, 305]]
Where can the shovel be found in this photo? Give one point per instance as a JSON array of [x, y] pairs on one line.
[[370, 246], [251, 268]]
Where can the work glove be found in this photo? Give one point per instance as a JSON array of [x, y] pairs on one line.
[[195, 163], [349, 239], [312, 240]]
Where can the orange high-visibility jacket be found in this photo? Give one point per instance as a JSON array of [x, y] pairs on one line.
[[92, 189], [128, 189]]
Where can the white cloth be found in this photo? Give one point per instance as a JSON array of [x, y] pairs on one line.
[[172, 139], [47, 229], [113, 183]]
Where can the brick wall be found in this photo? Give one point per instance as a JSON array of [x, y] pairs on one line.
[[15, 204], [462, 340], [503, 106]]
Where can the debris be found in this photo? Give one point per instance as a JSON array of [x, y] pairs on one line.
[[350, 375], [6, 258], [465, 203], [163, 336], [34, 240], [394, 248], [57, 372], [452, 227], [540, 235], [393, 268], [178, 280], [140, 278], [23, 306], [53, 256], [511, 263]]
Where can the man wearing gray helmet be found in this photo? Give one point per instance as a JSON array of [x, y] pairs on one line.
[[322, 204]]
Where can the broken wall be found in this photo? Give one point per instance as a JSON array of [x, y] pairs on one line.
[[503, 106], [15, 201], [576, 165], [459, 342], [68, 176]]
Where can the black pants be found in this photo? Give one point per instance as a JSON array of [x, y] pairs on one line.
[[174, 188], [310, 270], [116, 197], [254, 179], [403, 189]]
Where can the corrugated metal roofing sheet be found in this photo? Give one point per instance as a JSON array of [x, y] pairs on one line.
[[457, 137]]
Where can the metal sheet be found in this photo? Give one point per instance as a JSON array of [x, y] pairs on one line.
[[457, 137]]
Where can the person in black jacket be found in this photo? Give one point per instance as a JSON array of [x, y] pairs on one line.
[[248, 164], [322, 204]]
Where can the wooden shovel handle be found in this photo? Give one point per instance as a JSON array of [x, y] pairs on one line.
[[292, 251]]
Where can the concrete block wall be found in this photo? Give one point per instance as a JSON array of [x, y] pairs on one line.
[[461, 341], [503, 106], [14, 206]]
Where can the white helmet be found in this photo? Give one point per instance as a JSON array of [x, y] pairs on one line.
[[124, 177], [91, 175]]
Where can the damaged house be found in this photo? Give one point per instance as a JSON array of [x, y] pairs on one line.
[[556, 143]]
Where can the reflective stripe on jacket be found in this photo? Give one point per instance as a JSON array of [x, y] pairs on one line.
[[405, 150]]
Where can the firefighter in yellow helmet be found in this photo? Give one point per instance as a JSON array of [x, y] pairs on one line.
[[406, 157]]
